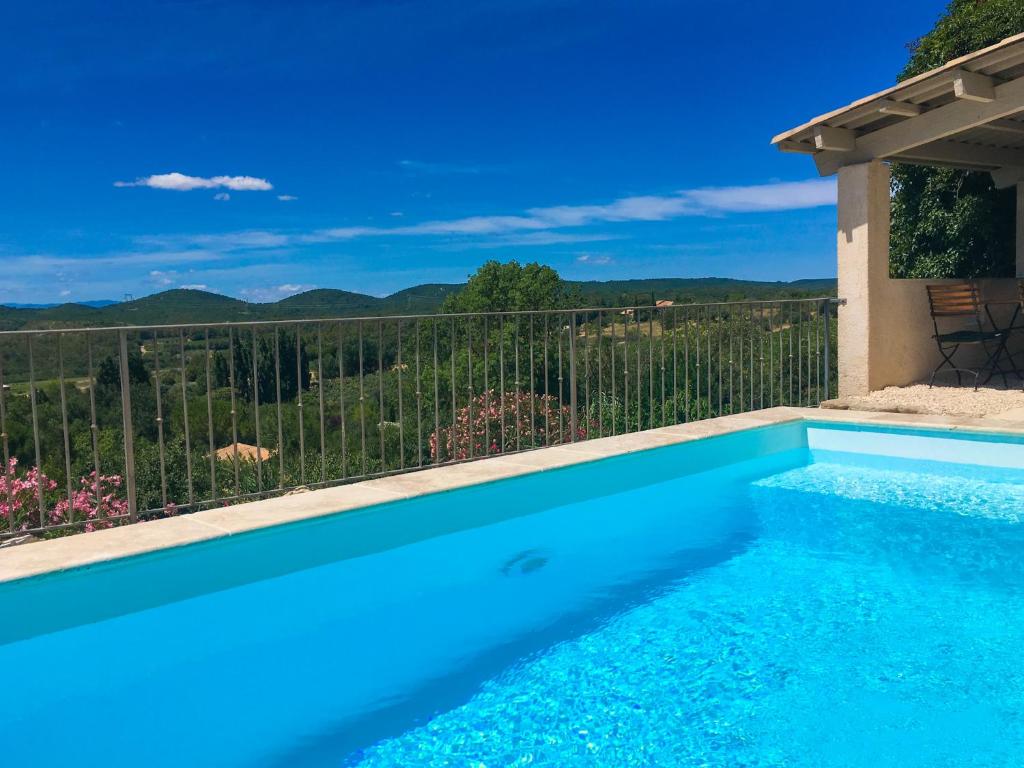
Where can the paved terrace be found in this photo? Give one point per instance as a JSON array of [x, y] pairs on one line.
[[995, 402], [91, 548]]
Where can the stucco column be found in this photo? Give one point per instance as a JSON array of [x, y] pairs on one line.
[[863, 257]]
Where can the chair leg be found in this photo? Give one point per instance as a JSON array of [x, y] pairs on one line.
[[947, 359]]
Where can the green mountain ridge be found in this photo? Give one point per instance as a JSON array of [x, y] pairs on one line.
[[179, 306]]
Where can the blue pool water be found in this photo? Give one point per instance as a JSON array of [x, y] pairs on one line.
[[790, 596]]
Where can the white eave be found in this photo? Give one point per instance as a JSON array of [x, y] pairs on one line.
[[968, 113]]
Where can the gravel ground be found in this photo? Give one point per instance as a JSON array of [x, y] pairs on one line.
[[994, 402]]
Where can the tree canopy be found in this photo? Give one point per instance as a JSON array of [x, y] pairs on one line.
[[947, 222], [511, 286]]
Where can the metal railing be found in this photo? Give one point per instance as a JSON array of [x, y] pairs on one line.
[[101, 426]]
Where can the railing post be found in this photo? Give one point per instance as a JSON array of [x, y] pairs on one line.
[[129, 434], [827, 309], [572, 376]]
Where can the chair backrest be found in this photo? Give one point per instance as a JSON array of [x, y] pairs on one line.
[[954, 300]]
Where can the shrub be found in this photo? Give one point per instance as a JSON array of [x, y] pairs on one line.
[[494, 423]]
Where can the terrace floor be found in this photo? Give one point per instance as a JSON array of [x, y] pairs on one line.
[[989, 402]]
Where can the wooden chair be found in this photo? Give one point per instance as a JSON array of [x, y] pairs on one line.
[[960, 304]]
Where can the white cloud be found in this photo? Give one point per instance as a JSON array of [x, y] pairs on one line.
[[287, 198], [783, 196], [160, 277], [179, 182], [275, 292], [65, 292], [228, 241], [594, 258], [711, 201], [195, 287], [527, 239], [222, 196]]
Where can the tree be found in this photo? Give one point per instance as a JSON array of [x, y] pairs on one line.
[[947, 222], [512, 286]]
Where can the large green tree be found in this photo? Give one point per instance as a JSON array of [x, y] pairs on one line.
[[511, 286], [946, 222]]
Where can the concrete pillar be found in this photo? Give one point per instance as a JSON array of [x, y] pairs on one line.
[[863, 260]]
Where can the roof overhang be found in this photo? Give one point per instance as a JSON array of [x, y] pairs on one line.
[[968, 114]]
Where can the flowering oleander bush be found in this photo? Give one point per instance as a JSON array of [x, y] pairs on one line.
[[19, 495], [94, 501], [495, 423]]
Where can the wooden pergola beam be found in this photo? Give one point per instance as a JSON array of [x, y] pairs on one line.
[[929, 127]]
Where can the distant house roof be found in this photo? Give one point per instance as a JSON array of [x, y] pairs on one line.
[[968, 113], [246, 452], [664, 303]]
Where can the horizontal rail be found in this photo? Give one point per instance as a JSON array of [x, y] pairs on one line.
[[106, 426], [383, 318]]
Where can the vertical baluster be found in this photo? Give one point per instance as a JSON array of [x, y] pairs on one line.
[[791, 327], [185, 418], [707, 363], [675, 365], [519, 386], [209, 419], [341, 400], [455, 397], [611, 372], [501, 380], [129, 430], [547, 402], [587, 352], [664, 404], [256, 410], [559, 379], [401, 411], [487, 393], [573, 393], [280, 422], [320, 397], [600, 375], [35, 430], [686, 365], [362, 400], [625, 373], [760, 354], [157, 391], [64, 425], [636, 316], [437, 402], [799, 353], [236, 465], [533, 389], [718, 333], [419, 397], [94, 426], [650, 369], [380, 394], [6, 445], [299, 417]]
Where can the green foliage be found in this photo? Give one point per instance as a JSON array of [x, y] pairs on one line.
[[946, 222], [512, 286]]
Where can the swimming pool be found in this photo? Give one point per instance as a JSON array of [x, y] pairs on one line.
[[800, 594]]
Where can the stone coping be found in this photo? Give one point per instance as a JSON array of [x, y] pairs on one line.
[[84, 549]]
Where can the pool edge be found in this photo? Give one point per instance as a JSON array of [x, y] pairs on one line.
[[87, 549]]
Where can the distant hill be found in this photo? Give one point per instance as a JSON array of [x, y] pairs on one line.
[[95, 304], [191, 306]]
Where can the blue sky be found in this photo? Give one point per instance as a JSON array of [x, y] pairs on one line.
[[262, 148]]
